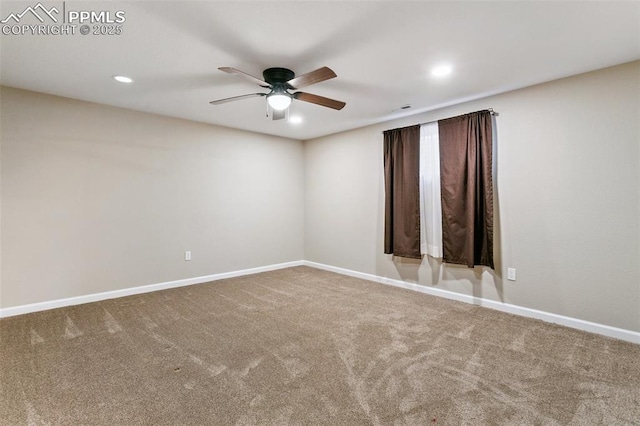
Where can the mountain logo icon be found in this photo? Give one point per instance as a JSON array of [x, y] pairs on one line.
[[39, 11]]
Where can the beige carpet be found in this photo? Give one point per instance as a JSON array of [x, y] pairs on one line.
[[304, 346]]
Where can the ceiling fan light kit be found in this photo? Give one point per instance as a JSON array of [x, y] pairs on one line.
[[279, 101], [281, 81]]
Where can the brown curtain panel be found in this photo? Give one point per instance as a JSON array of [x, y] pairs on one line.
[[402, 192], [467, 189]]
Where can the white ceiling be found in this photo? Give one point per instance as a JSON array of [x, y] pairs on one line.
[[382, 52]]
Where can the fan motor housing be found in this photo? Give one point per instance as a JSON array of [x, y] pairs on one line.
[[277, 75]]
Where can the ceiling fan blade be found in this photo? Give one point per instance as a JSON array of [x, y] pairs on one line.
[[249, 77], [236, 98], [319, 100], [278, 115], [313, 77]]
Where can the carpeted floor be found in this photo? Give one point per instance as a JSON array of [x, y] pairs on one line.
[[304, 346]]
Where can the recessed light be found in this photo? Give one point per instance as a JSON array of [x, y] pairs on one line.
[[441, 70], [295, 119], [122, 79]]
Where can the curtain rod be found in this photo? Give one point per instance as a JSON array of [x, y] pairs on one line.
[[491, 111]]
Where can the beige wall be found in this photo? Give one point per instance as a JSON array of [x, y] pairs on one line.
[[96, 198], [568, 196]]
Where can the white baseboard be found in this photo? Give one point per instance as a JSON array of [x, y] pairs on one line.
[[60, 303], [605, 330]]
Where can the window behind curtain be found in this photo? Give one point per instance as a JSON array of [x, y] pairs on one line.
[[430, 204], [439, 190]]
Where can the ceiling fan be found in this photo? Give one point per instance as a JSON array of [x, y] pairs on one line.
[[281, 82]]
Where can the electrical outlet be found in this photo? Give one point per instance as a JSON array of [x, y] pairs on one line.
[[187, 255], [511, 274]]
